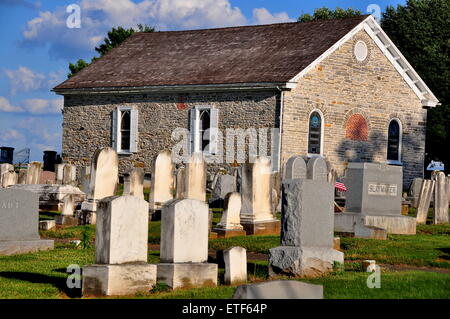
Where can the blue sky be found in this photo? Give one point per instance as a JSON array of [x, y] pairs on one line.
[[37, 46]]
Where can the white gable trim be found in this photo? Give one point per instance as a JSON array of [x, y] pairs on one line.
[[392, 53]]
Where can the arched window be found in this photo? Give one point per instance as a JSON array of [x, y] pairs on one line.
[[315, 133], [394, 146]]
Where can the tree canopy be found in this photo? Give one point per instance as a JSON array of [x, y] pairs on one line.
[[115, 37], [421, 29], [328, 14]]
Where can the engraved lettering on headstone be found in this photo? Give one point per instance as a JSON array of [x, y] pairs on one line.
[[382, 189], [9, 205]]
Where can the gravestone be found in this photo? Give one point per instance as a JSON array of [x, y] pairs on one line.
[[414, 190], [440, 204], [85, 179], [59, 171], [230, 223], [374, 198], [5, 168], [224, 184], [67, 215], [161, 190], [180, 180], [279, 289], [424, 199], [317, 169], [184, 245], [134, 183], [19, 223], [295, 168], [276, 193], [69, 175], [33, 173], [235, 259], [307, 229], [51, 197], [22, 177], [448, 188], [103, 180], [8, 179], [256, 190], [121, 247], [196, 178]]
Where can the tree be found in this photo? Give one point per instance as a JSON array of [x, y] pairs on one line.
[[328, 14], [115, 38], [421, 29]]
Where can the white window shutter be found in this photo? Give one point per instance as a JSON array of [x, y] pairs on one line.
[[114, 119], [193, 127], [134, 133], [213, 131]]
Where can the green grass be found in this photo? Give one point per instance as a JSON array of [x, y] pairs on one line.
[[256, 244], [430, 247], [418, 250], [43, 275]]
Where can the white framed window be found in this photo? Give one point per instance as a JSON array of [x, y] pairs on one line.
[[125, 130], [315, 133], [394, 142], [204, 125], [361, 51]]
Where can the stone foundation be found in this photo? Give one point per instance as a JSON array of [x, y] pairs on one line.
[[110, 280], [228, 233], [302, 262], [188, 275], [262, 228], [8, 248], [398, 225]]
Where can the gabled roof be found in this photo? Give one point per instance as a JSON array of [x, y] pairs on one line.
[[272, 53], [232, 58]]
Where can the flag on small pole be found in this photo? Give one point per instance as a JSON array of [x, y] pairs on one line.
[[340, 186]]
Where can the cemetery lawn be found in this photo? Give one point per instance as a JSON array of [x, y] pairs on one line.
[[412, 266]]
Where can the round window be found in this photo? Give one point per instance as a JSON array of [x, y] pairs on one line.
[[361, 51]]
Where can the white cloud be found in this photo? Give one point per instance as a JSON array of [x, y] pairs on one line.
[[263, 16], [33, 106], [6, 106], [12, 134], [99, 16], [43, 106], [25, 80]]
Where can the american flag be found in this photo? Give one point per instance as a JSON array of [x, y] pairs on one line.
[[340, 186]]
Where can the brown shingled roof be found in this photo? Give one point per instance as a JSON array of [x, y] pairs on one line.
[[272, 53]]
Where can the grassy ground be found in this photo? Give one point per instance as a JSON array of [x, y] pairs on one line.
[[412, 266]]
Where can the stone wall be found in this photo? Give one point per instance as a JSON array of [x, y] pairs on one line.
[[87, 120], [340, 87]]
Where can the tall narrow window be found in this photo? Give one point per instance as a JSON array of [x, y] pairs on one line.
[[315, 133], [205, 125], [394, 141], [125, 130], [204, 121]]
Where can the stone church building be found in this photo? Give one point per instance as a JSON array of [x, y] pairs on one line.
[[337, 88]]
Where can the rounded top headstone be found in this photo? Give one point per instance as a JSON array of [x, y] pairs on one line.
[[317, 169], [295, 168]]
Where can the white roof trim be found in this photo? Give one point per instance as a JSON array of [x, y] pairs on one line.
[[400, 63], [393, 54]]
